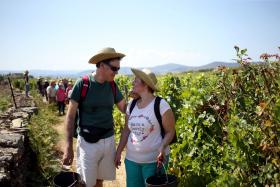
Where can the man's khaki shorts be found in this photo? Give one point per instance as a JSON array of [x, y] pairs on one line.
[[96, 160]]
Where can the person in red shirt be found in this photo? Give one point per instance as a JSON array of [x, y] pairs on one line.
[[60, 99]]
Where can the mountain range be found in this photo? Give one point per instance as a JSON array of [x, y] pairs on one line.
[[161, 69]]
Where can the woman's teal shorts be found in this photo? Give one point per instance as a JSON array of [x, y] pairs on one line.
[[137, 173]]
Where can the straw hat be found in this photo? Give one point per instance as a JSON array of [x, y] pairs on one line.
[[147, 76], [105, 54]]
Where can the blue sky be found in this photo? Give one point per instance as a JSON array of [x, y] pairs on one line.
[[64, 34]]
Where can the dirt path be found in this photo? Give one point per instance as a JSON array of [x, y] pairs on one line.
[[120, 177]]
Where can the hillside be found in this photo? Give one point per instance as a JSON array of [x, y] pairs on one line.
[[161, 69]]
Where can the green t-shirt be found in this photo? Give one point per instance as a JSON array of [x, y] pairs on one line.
[[97, 107]]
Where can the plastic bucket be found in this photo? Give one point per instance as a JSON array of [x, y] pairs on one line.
[[162, 180], [68, 179]]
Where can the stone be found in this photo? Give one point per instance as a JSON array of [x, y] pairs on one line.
[[30, 110], [4, 131], [11, 140], [11, 110], [14, 145], [4, 115], [20, 115], [23, 131], [17, 123], [4, 177]]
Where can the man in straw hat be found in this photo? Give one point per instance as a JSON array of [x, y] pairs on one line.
[[142, 135], [95, 144]]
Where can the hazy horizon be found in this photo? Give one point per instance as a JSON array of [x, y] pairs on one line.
[[93, 67]]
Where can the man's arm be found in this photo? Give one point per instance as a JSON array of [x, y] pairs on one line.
[[122, 106], [70, 118]]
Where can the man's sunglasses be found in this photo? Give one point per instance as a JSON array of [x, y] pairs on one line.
[[113, 68]]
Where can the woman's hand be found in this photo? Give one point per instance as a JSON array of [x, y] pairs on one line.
[[161, 156], [118, 159]]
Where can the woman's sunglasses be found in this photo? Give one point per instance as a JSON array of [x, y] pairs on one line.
[[113, 68]]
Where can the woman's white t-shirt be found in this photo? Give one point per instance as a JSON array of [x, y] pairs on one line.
[[145, 136]]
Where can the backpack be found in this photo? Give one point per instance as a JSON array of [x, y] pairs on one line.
[[85, 82], [158, 116]]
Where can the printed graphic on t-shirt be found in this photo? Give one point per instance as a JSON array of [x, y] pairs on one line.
[[140, 127]]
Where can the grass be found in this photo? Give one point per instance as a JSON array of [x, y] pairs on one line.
[[5, 98], [43, 139]]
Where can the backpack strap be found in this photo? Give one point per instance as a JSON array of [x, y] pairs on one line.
[[132, 105], [114, 89], [157, 113], [84, 88], [85, 83]]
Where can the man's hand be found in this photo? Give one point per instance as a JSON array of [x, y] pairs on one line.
[[68, 156]]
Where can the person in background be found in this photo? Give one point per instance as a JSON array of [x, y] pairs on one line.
[[56, 84], [95, 144], [26, 82], [65, 83], [51, 92], [69, 91], [60, 99], [40, 86], [45, 86], [141, 135]]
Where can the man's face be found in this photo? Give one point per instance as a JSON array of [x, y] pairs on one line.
[[111, 69]]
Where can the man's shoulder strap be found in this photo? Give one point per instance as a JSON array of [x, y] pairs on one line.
[[85, 82], [114, 89]]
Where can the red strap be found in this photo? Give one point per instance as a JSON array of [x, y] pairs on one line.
[[85, 86], [113, 85]]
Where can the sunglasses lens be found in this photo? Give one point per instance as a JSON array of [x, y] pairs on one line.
[[115, 68]]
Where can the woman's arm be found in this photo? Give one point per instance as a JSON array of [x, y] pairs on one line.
[[122, 143], [168, 123]]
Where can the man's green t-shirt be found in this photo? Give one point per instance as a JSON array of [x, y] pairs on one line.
[[97, 107]]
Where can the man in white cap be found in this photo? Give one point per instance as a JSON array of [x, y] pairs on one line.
[[95, 143]]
